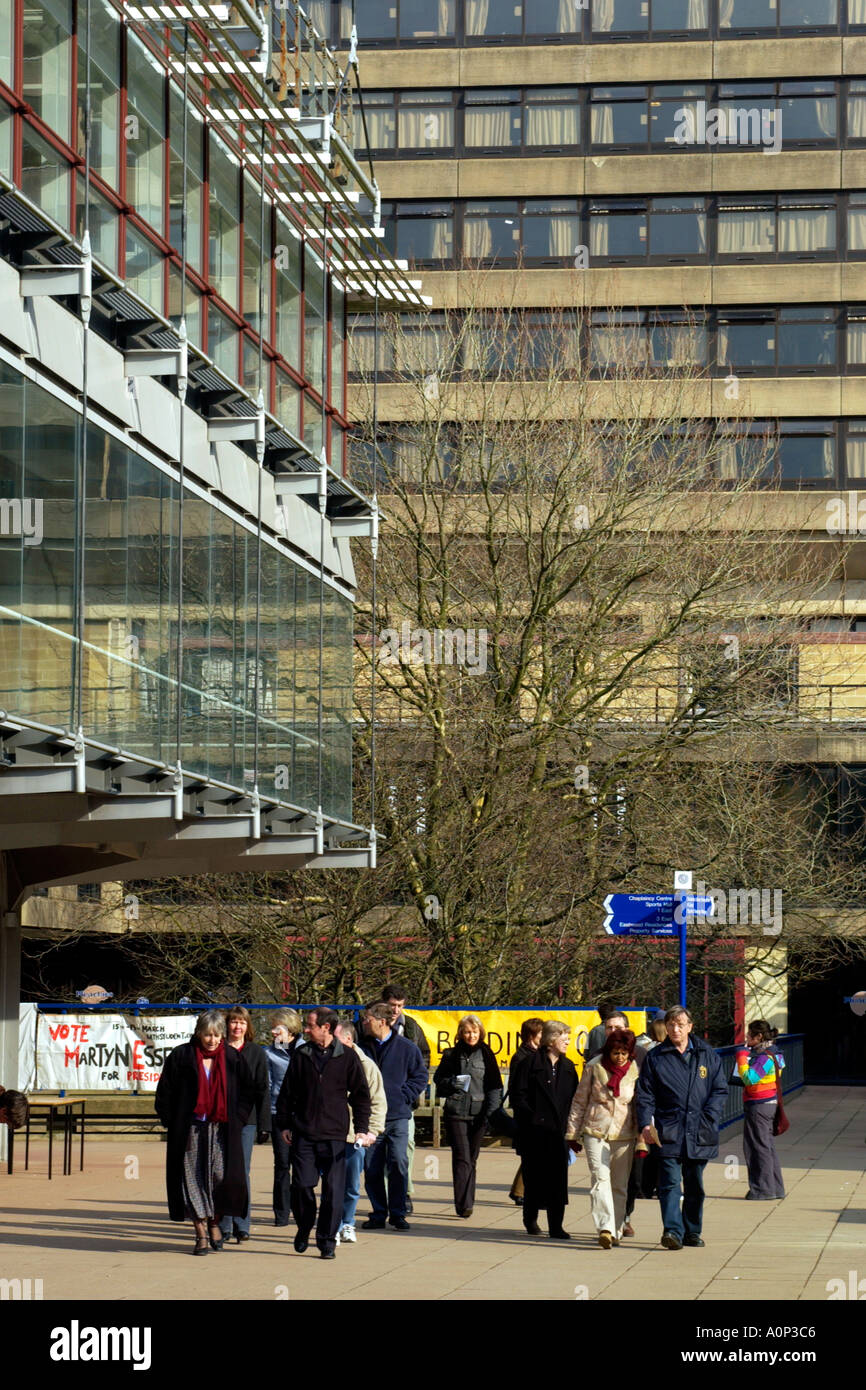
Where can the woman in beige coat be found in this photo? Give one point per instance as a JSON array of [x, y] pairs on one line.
[[602, 1120]]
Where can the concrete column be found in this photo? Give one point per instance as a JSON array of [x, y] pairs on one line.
[[10, 993]]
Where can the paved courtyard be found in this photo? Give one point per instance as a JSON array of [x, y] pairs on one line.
[[104, 1233]]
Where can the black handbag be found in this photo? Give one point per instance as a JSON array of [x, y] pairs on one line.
[[500, 1122]]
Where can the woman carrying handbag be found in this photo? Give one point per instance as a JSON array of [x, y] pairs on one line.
[[759, 1066]]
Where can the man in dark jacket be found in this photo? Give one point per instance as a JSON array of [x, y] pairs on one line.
[[542, 1089], [681, 1090], [409, 1028], [324, 1079], [405, 1077]]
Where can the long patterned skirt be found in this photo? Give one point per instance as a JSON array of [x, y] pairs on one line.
[[204, 1165]]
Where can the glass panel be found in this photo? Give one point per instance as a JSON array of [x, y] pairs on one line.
[[679, 15], [679, 344], [554, 125], [857, 220], [679, 232], [425, 128], [618, 340], [145, 133], [222, 339], [315, 316], [104, 219], [381, 123], [47, 48], [618, 234], [7, 15], [620, 16], [288, 403], [856, 117], [618, 123], [7, 127], [194, 200], [808, 14], [856, 344], [144, 268], [257, 257], [45, 176], [746, 231], [193, 307], [807, 343], [430, 238], [491, 238], [551, 237], [313, 434], [338, 348], [855, 455], [104, 88], [552, 17], [224, 206], [747, 14], [857, 11], [806, 229], [808, 118], [288, 268], [376, 19], [746, 344], [493, 17], [425, 19], [806, 456]]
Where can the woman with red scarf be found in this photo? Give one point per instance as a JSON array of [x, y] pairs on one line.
[[204, 1093], [603, 1121]]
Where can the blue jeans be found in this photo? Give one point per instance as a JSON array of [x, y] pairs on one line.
[[354, 1169], [242, 1223], [389, 1155], [689, 1172]]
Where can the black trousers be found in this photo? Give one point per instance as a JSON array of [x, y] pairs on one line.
[[312, 1158], [545, 1177], [282, 1163], [465, 1137]]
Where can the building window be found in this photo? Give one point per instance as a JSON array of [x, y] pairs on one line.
[[144, 269], [618, 230], [855, 448], [47, 53], [855, 350], [491, 231], [425, 122], [193, 202], [551, 118], [678, 228], [104, 89], [222, 342], [145, 134], [551, 230], [7, 41], [315, 319], [288, 269], [104, 221], [287, 403], [777, 340], [224, 221], [424, 231], [45, 176]]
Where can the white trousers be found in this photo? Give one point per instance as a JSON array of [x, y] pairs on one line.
[[609, 1168]]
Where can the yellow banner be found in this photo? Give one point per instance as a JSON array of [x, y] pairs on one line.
[[502, 1028]]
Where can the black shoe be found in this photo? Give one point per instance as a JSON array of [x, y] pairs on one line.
[[399, 1223], [518, 1201], [750, 1196], [327, 1253], [409, 1207], [281, 1221], [467, 1212], [216, 1244], [201, 1246], [241, 1236], [693, 1240], [671, 1241], [559, 1235], [532, 1228], [301, 1242], [374, 1223]]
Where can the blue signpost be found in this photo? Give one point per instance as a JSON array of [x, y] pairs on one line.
[[658, 914]]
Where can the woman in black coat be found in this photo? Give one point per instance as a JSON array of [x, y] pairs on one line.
[[541, 1095], [204, 1093], [469, 1078], [257, 1125], [530, 1042]]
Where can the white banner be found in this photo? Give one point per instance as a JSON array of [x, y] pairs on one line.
[[104, 1052], [27, 1014]]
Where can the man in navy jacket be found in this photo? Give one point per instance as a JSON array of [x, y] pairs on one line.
[[405, 1077], [681, 1090]]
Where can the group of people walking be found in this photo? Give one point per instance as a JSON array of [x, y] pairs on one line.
[[337, 1102]]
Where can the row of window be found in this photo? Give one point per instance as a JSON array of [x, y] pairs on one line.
[[534, 21], [686, 116], [620, 231], [823, 454], [799, 339]]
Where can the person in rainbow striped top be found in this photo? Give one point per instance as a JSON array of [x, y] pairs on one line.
[[759, 1065]]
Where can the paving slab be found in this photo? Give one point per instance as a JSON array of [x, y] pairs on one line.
[[104, 1234]]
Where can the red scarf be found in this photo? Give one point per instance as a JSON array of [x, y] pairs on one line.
[[212, 1097], [615, 1076]]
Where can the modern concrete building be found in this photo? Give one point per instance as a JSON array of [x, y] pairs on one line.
[[687, 172], [182, 227]]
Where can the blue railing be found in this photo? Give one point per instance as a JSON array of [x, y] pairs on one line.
[[791, 1045]]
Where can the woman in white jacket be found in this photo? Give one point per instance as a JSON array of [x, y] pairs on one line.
[[602, 1120]]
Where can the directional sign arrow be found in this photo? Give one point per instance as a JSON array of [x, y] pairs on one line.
[[650, 914]]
